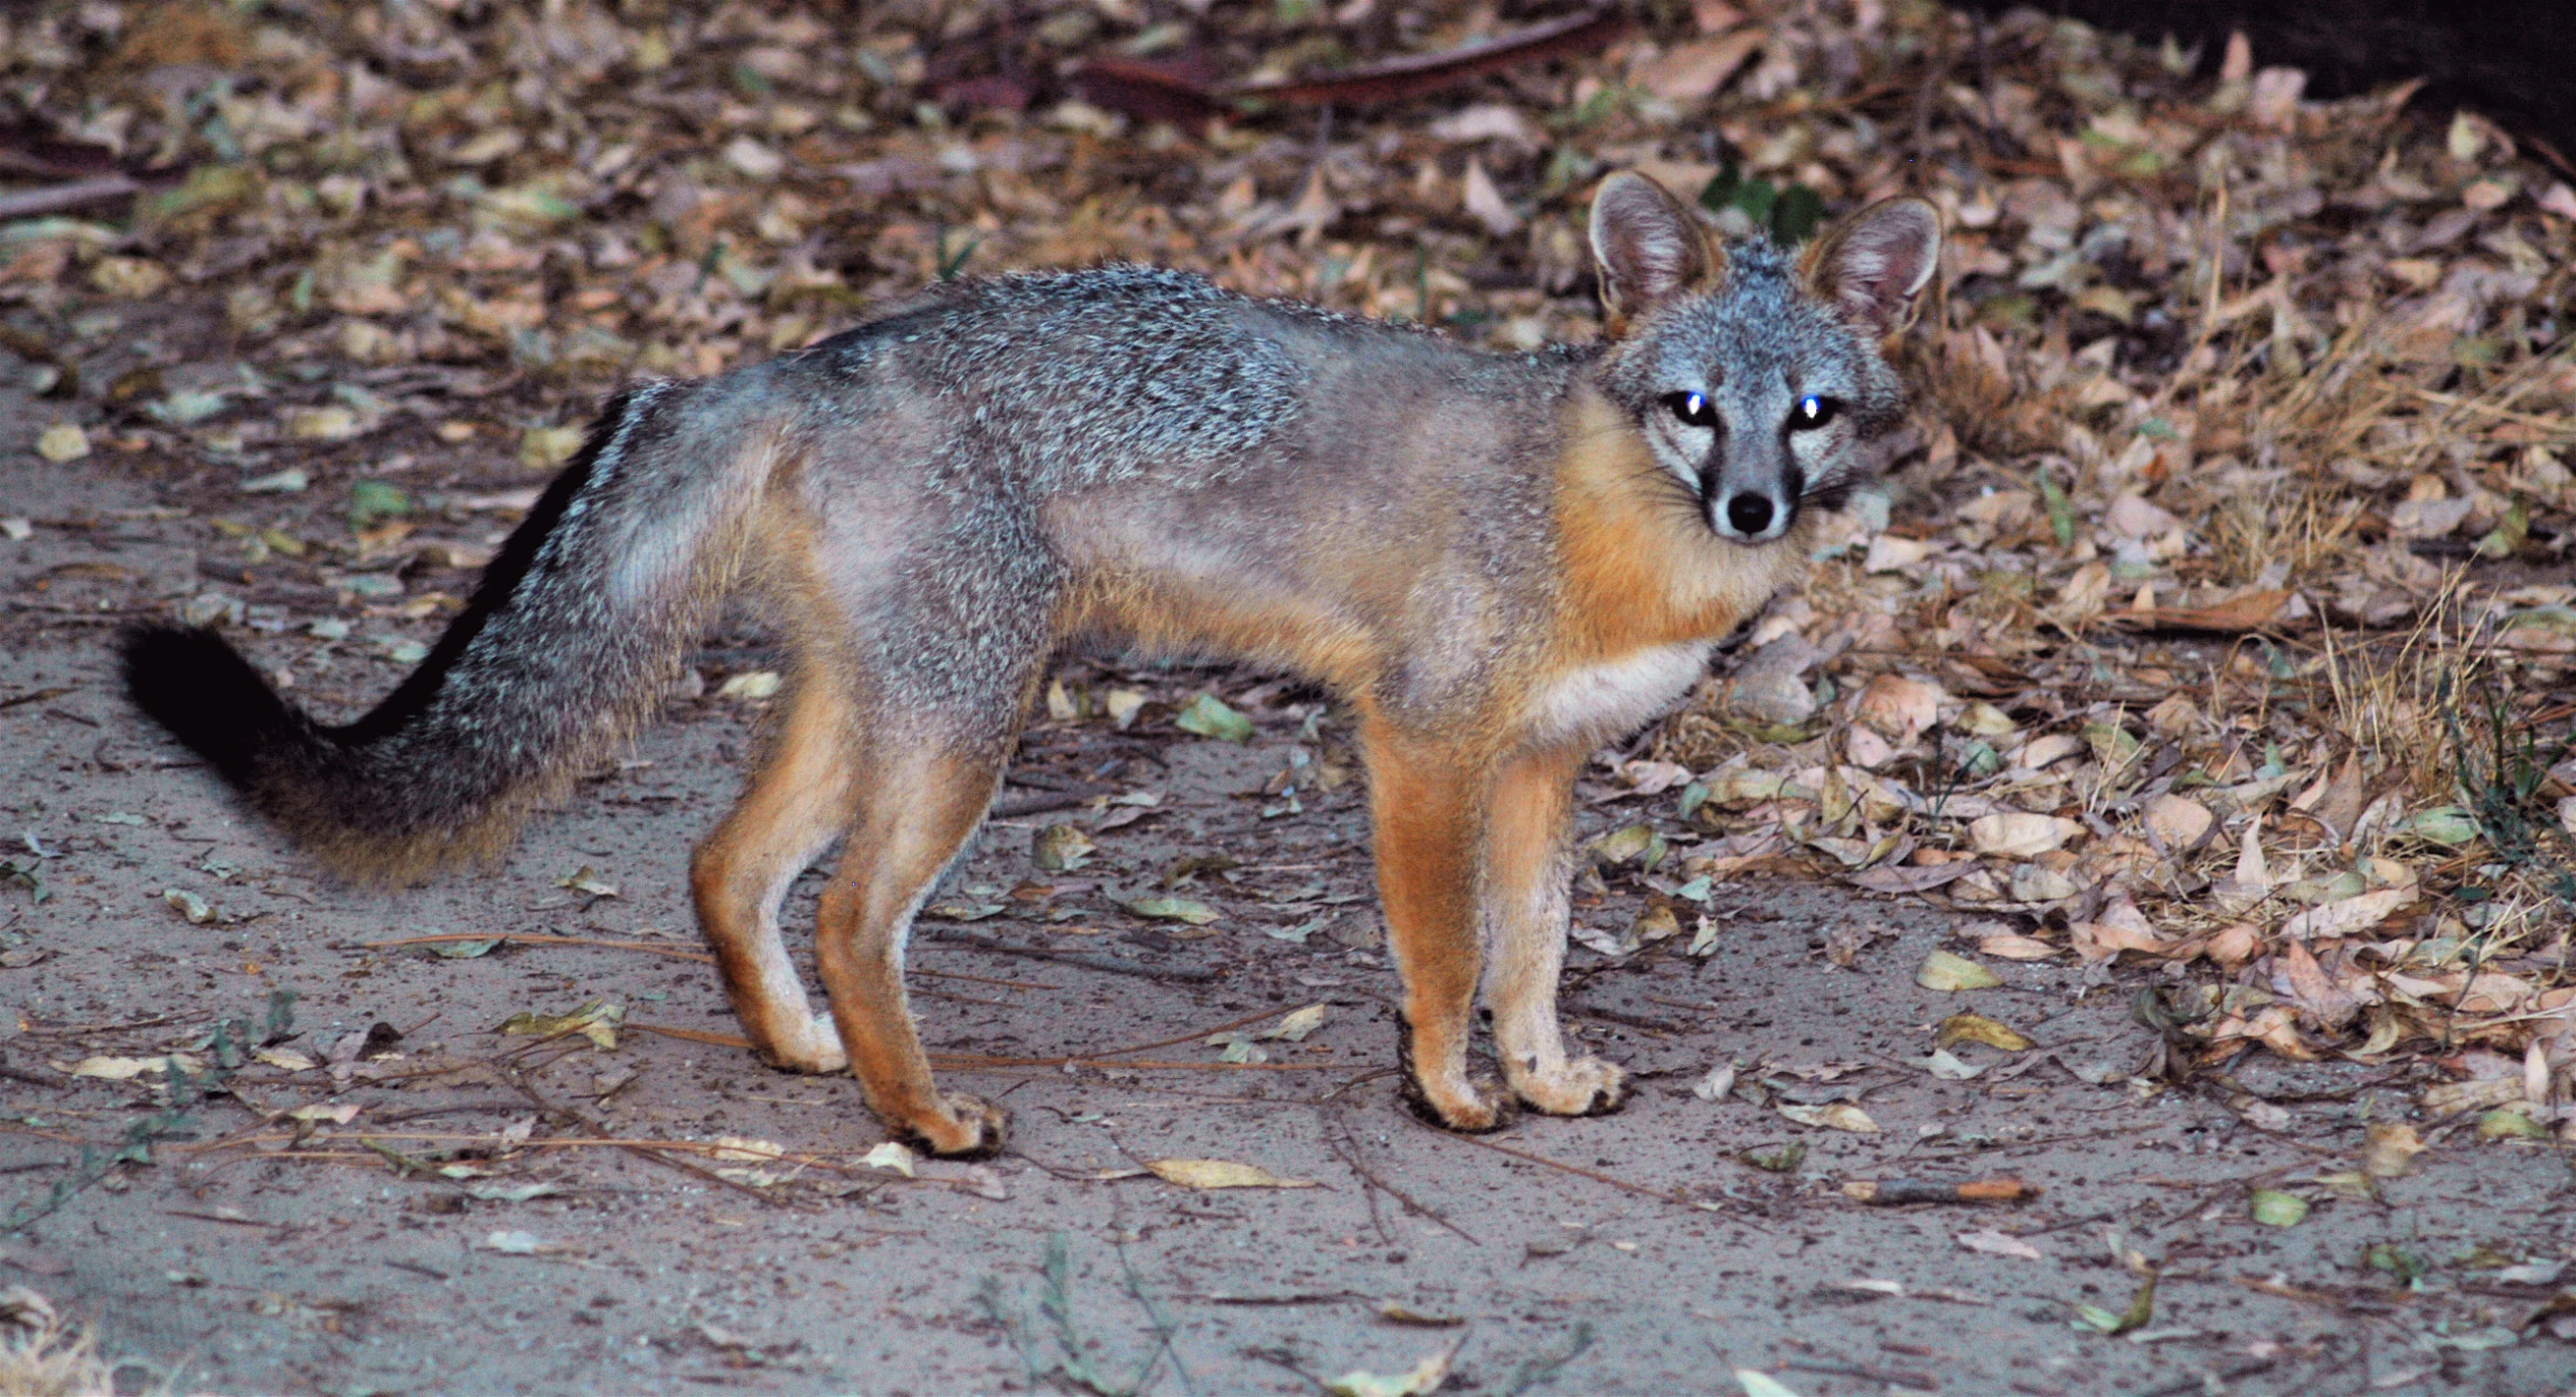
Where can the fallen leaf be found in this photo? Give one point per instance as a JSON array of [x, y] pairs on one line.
[[1898, 707], [1220, 1173], [2178, 821], [1835, 1115], [2389, 1149], [596, 1020], [2349, 917], [583, 881], [1977, 1028], [2018, 834], [2012, 945], [1759, 1384], [1953, 973], [1485, 204], [893, 1155], [1298, 1024], [1060, 848], [2273, 1208], [1717, 1085], [340, 1114], [1694, 71], [1165, 908], [1424, 1377], [1993, 1243], [195, 909], [1210, 716], [61, 442]]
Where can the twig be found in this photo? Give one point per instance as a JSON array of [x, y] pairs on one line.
[[2195, 1384], [538, 938], [981, 1060], [640, 1151], [57, 198], [1339, 1139], [1092, 960], [1593, 1174]]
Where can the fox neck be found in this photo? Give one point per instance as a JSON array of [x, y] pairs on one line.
[[1642, 568]]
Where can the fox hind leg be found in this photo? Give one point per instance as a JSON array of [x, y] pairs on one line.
[[920, 802], [796, 804], [1524, 891]]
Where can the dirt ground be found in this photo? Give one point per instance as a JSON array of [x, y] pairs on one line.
[[242, 1249]]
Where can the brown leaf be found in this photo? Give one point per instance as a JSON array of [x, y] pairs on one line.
[[2246, 611], [1402, 79], [1692, 72]]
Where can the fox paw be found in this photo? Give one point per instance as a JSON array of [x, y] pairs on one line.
[[818, 1049], [1586, 1086], [1470, 1109], [966, 1128]]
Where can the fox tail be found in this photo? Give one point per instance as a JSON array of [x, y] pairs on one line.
[[576, 632]]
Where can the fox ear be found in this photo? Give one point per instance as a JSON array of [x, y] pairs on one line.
[[1874, 263], [1648, 244]]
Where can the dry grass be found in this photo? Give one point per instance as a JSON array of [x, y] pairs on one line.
[[41, 1355]]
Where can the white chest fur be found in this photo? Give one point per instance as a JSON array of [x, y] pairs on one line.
[[1598, 703]]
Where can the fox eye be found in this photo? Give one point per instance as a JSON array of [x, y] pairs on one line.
[[1693, 409], [1813, 412]]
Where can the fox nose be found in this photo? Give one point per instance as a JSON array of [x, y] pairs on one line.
[[1749, 513]]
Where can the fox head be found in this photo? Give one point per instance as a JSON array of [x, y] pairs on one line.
[[1755, 376]]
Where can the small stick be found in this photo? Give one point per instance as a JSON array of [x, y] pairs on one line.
[[1341, 1141], [1890, 1193], [538, 938], [642, 1152], [56, 198], [1593, 1174], [1185, 974], [981, 1060]]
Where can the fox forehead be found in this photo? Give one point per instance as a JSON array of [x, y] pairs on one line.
[[1758, 335]]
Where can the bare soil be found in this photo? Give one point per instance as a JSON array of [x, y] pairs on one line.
[[243, 1250]]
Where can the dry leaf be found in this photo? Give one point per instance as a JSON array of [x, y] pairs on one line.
[[2349, 917], [1692, 72], [2018, 834], [1220, 1173], [1834, 1115], [1994, 1243], [1898, 707], [1485, 204], [1977, 1028], [2389, 1149], [1953, 973]]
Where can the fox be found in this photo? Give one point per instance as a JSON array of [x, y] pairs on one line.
[[1497, 562]]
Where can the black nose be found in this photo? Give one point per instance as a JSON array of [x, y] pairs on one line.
[[1749, 513]]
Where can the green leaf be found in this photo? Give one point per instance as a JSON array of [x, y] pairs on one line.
[[1173, 909], [371, 500], [1795, 217], [1208, 716], [2273, 1208], [2061, 514]]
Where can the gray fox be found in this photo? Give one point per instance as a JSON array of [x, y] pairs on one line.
[[1498, 561]]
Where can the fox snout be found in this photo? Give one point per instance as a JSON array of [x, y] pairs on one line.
[[1752, 501]]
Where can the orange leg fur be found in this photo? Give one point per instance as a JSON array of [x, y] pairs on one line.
[[795, 804], [1524, 892], [917, 807], [1423, 799]]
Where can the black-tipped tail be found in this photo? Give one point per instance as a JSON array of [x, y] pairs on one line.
[[194, 683]]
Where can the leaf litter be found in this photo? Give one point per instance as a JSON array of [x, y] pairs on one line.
[[2219, 625]]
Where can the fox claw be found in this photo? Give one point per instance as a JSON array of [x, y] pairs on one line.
[[1584, 1087], [967, 1128]]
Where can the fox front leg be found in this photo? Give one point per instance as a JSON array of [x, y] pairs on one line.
[[1524, 893], [1423, 798]]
